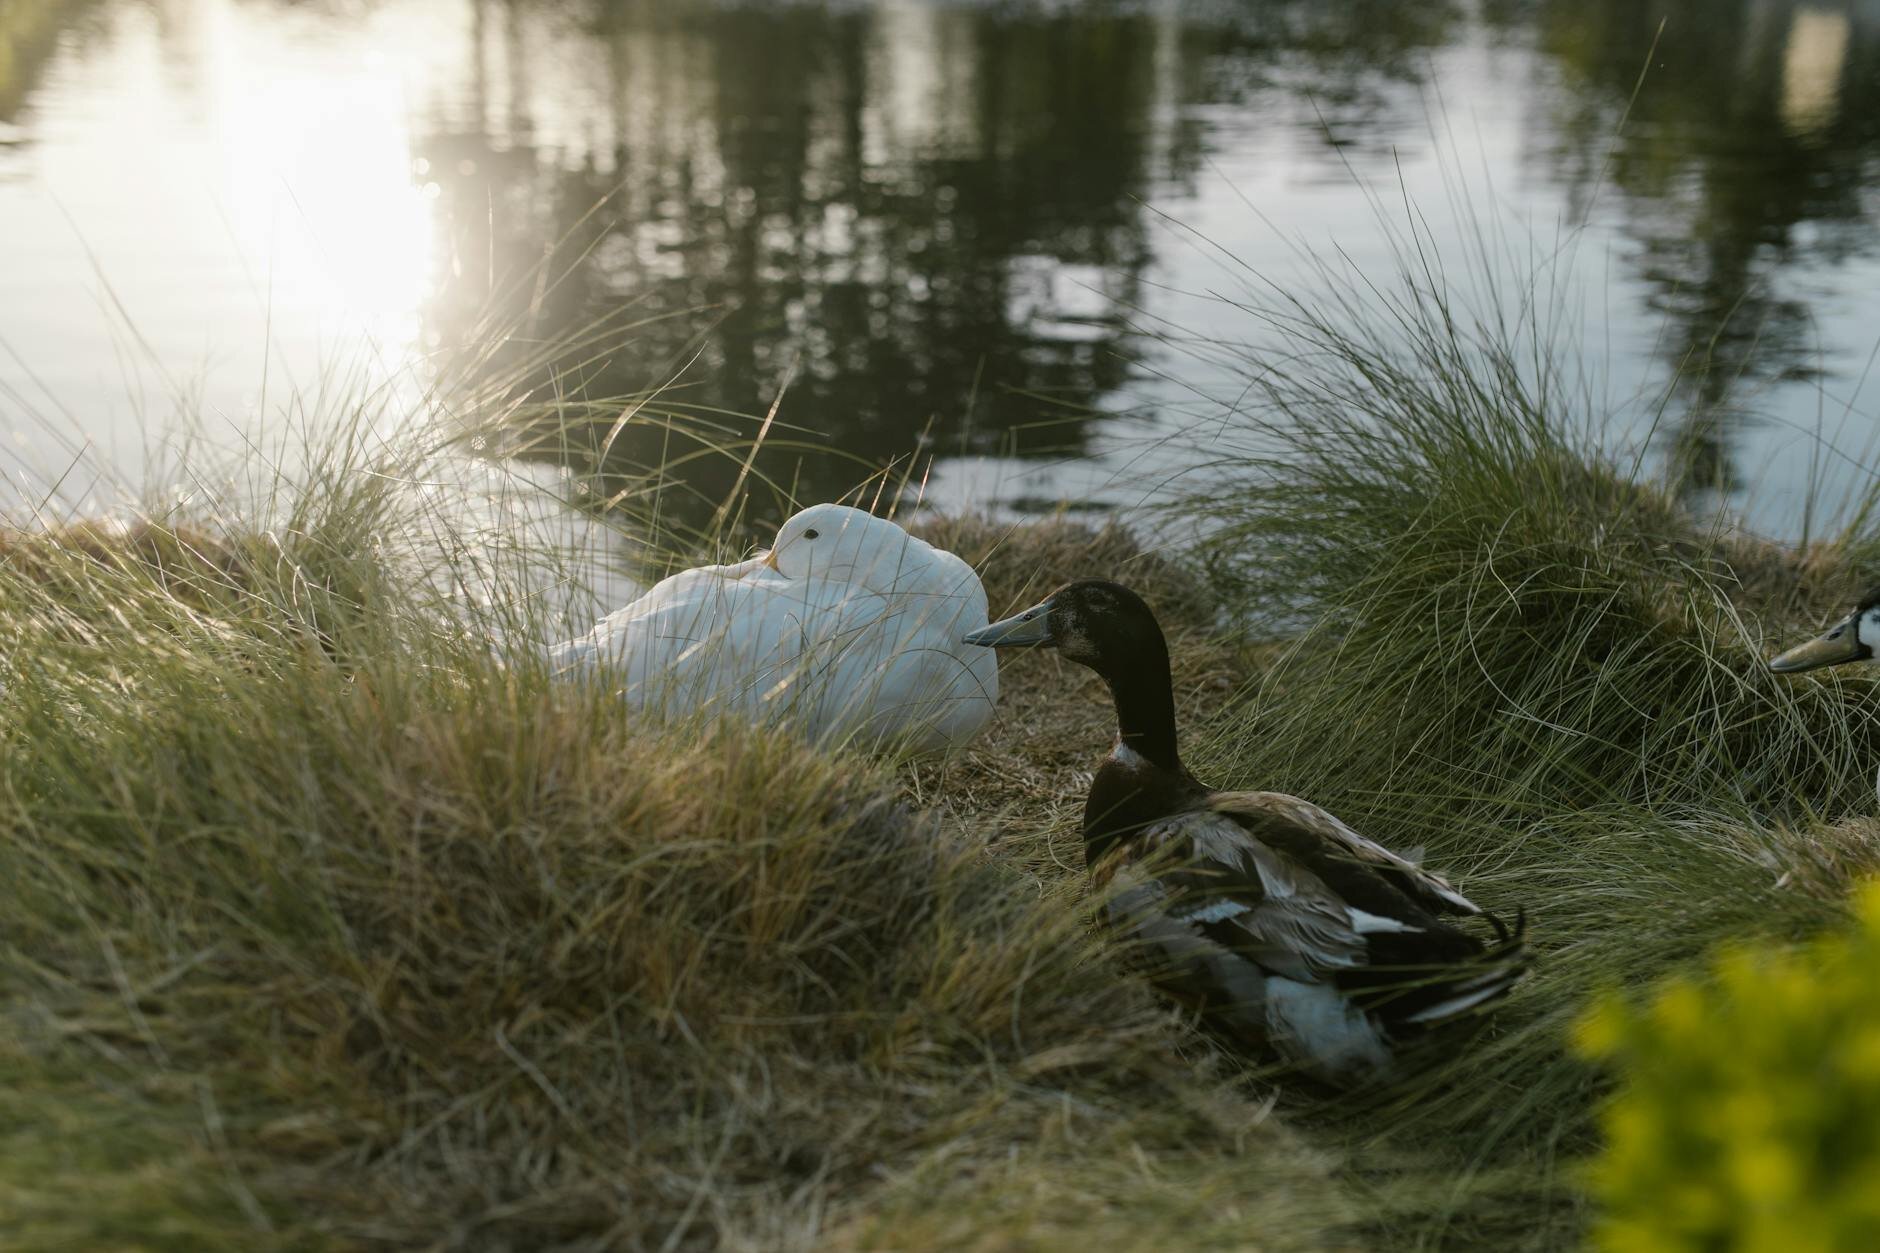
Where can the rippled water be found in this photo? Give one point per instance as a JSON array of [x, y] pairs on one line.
[[955, 229]]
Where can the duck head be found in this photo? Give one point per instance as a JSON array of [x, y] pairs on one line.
[[840, 544], [1853, 638], [1093, 622], [1107, 627]]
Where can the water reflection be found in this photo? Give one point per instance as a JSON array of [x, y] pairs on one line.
[[939, 221], [1812, 68], [210, 202], [1747, 165], [929, 217]]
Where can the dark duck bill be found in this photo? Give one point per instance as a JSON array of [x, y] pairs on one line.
[[1851, 639], [1294, 931], [1022, 630]]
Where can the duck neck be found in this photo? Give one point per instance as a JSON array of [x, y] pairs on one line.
[[1145, 709]]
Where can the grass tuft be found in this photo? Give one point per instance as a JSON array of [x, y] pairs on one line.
[[320, 926], [1492, 635]]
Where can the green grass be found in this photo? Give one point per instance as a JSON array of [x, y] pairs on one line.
[[1495, 636]]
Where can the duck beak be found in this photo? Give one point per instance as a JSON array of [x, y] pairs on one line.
[[1022, 630], [770, 559], [1840, 643]]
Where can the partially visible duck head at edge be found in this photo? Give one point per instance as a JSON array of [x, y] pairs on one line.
[[1853, 638]]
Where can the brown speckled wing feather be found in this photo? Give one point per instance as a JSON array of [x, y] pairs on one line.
[[1432, 891], [1249, 898]]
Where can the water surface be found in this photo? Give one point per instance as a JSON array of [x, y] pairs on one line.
[[959, 232]]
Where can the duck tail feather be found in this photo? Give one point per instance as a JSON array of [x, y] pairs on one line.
[[1505, 938], [1461, 1003], [1485, 980]]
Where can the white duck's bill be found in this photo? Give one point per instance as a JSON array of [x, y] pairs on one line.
[[763, 564], [1022, 630], [1839, 644]]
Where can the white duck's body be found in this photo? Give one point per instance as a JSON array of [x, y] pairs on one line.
[[848, 628]]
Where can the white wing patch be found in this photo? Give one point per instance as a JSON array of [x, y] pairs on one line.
[[1215, 911], [1313, 1021], [1372, 924]]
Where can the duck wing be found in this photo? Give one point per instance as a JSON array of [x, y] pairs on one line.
[[1241, 930], [1276, 811], [907, 680], [923, 677], [699, 641], [656, 624], [1217, 877], [1295, 942]]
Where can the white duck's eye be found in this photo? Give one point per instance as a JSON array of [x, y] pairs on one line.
[[812, 533]]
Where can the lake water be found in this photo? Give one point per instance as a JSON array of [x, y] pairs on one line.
[[959, 232]]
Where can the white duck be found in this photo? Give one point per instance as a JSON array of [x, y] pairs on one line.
[[847, 628]]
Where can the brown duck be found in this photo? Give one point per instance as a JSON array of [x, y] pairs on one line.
[[1290, 929]]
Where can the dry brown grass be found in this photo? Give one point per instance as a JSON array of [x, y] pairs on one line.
[[414, 951], [183, 560]]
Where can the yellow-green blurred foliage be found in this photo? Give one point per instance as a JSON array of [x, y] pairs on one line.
[[1749, 1118]]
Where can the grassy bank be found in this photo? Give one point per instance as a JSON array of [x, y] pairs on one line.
[[324, 924], [1496, 636], [321, 926]]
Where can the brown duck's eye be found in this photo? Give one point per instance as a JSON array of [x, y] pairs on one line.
[[812, 533]]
